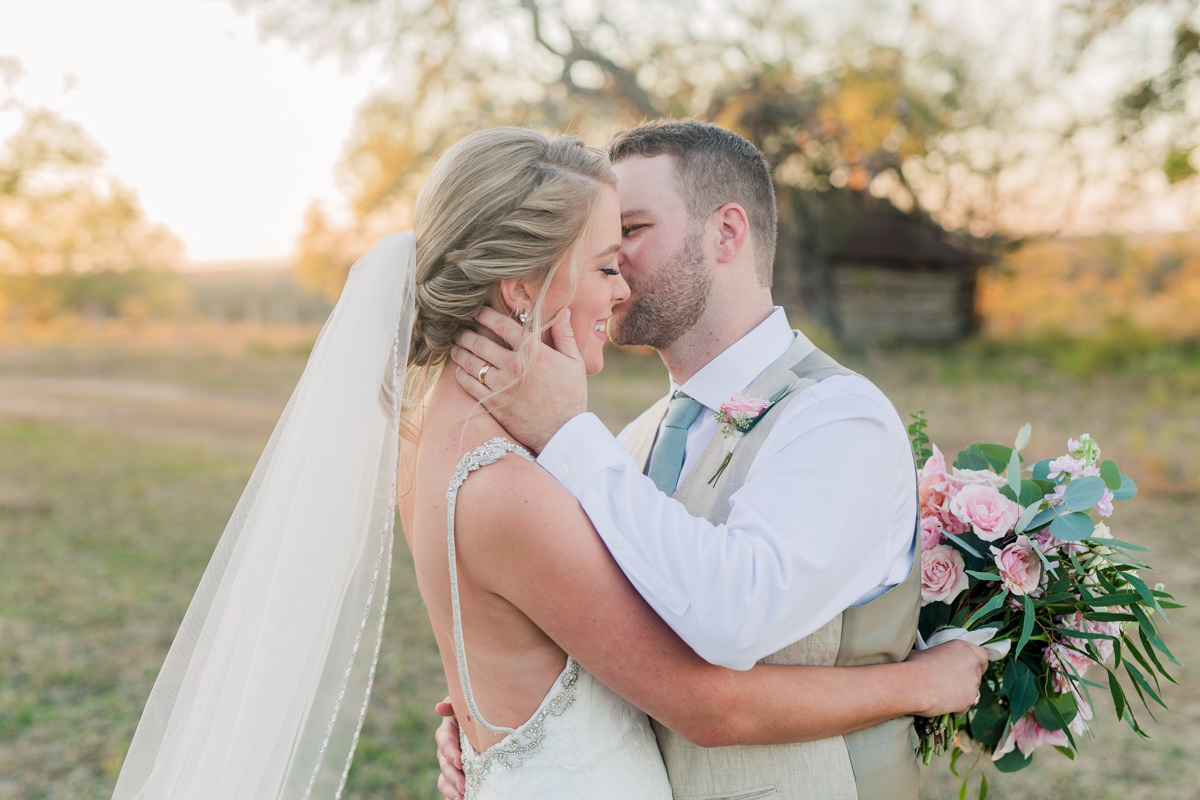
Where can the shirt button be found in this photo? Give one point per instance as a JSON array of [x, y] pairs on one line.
[[564, 470]]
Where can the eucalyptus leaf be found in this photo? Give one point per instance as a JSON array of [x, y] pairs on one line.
[[1111, 475], [1041, 470], [1128, 489], [1118, 694], [1031, 493], [958, 540], [1026, 626], [1140, 680], [1056, 712], [1027, 517], [1020, 689], [984, 576], [1044, 517], [1142, 589], [1082, 494], [1114, 599], [989, 721], [1014, 473], [1072, 527], [1147, 627], [991, 605], [1013, 761], [1074, 634], [971, 458], [997, 455], [1108, 616], [1150, 652], [1123, 545], [1133, 650]]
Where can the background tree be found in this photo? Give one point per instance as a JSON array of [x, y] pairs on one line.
[[1000, 121], [72, 238]]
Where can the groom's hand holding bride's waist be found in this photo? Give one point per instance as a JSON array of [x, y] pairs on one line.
[[452, 784], [945, 680]]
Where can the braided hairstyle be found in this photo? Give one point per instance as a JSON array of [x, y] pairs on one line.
[[501, 203]]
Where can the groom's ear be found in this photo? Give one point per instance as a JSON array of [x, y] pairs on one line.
[[515, 294], [733, 231]]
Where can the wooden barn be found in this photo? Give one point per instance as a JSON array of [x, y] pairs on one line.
[[896, 279], [872, 274]]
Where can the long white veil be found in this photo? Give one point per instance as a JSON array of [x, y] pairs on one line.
[[263, 692]]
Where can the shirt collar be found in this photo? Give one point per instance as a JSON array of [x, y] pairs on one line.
[[738, 365]]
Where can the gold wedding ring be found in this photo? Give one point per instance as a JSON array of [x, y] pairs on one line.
[[483, 372]]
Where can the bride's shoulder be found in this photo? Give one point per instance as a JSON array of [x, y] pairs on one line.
[[503, 487]]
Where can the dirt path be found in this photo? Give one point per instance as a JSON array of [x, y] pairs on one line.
[[140, 407]]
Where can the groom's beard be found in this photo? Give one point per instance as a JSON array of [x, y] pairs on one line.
[[665, 307]]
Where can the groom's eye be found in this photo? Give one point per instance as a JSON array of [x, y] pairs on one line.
[[626, 230]]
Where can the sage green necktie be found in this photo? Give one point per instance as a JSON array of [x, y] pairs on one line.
[[666, 459]]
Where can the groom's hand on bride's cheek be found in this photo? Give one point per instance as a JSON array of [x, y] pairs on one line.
[[452, 784], [553, 388]]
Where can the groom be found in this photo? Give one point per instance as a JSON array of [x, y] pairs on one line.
[[797, 546]]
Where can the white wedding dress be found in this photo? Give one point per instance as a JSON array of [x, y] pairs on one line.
[[582, 742]]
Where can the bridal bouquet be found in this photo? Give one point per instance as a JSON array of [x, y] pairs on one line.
[[1027, 550]]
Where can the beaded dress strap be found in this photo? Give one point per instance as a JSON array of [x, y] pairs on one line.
[[489, 452]]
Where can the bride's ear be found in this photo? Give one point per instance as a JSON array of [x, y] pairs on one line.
[[516, 294]]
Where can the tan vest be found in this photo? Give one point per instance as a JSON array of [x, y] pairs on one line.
[[877, 763]]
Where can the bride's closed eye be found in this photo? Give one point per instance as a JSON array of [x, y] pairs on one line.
[[613, 270]]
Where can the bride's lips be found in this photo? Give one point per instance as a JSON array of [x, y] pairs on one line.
[[601, 328]]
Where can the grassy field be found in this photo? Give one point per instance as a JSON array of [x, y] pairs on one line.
[[121, 457]]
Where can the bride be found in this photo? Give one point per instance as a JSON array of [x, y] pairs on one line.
[[265, 687]]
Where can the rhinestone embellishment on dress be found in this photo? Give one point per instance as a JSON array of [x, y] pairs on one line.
[[511, 752]]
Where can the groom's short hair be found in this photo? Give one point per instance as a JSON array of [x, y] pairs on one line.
[[713, 166]]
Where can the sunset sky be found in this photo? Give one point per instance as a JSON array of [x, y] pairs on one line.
[[226, 138]]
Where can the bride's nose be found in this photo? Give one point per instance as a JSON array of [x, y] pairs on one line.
[[620, 290]]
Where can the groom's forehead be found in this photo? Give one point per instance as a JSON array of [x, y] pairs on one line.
[[645, 184]]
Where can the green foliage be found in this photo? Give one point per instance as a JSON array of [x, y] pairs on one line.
[[920, 439], [1089, 600], [71, 240]]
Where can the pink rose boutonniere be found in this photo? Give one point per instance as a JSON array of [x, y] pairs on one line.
[[737, 416]]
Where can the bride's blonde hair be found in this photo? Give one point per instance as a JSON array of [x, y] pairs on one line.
[[501, 203]]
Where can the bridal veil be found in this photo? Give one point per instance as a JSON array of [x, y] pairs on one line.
[[263, 692]]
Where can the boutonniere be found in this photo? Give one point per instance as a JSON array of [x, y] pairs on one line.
[[737, 416]]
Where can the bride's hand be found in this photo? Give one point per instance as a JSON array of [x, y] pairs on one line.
[[948, 677], [452, 784]]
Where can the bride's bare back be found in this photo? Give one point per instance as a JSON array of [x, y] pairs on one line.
[[511, 662]]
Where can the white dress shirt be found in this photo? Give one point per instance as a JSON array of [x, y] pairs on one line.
[[824, 521]]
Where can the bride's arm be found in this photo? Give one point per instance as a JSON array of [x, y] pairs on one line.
[[535, 547]]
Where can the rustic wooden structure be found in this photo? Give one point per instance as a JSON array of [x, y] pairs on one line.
[[896, 279], [872, 274]]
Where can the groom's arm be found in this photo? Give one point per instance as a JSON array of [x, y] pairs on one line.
[[824, 519]]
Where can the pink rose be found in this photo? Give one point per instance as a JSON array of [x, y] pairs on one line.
[[962, 478], [744, 404], [1020, 567], [990, 514], [1026, 735], [931, 533], [943, 574], [933, 478]]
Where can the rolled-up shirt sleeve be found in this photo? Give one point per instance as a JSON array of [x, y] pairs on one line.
[[824, 521]]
